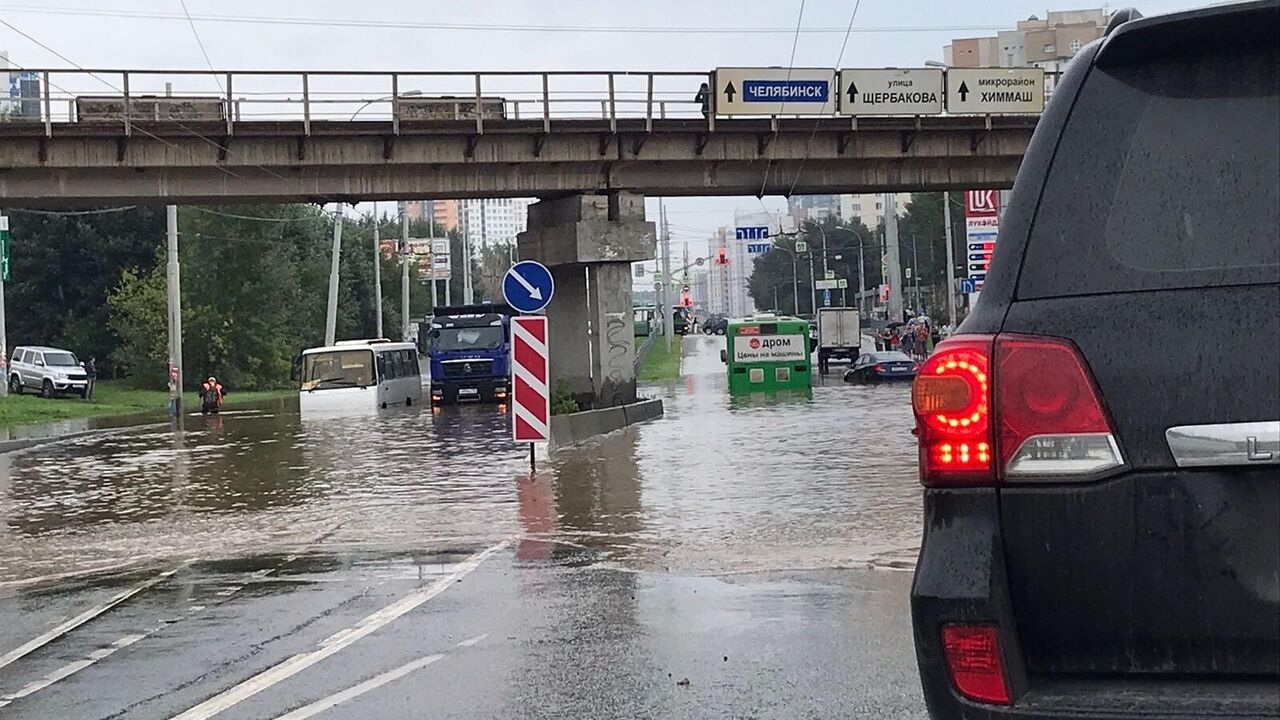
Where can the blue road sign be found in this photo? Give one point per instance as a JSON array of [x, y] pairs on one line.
[[758, 248], [528, 286], [968, 285], [772, 91], [755, 232], [826, 298]]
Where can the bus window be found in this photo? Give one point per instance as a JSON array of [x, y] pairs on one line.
[[337, 369]]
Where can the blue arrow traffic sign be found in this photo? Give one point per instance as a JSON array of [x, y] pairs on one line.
[[528, 286]]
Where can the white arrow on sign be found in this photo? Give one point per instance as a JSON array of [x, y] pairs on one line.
[[535, 293]]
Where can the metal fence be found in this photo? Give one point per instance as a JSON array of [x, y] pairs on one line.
[[127, 97]]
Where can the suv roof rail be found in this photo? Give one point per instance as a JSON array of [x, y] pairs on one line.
[[1121, 17]]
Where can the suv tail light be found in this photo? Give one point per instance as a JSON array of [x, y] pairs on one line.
[[973, 659], [1012, 406], [951, 398]]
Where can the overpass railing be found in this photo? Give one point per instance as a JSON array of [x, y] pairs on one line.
[[127, 97]]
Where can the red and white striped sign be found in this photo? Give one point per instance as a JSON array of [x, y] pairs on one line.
[[530, 380]]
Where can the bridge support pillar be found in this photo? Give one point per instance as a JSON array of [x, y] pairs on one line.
[[589, 243]]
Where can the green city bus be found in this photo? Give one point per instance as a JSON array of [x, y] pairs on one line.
[[767, 352]]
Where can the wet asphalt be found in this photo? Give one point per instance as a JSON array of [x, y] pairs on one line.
[[739, 558]]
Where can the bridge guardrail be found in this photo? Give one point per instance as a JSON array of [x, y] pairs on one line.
[[127, 97]]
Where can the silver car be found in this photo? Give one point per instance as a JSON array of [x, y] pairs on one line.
[[50, 371]]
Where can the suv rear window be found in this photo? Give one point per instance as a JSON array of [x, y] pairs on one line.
[[1167, 175]]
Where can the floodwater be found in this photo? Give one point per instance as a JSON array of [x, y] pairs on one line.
[[717, 486]]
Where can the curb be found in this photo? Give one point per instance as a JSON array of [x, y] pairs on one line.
[[573, 428]]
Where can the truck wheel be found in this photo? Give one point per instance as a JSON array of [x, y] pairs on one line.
[[15, 385], [46, 390]]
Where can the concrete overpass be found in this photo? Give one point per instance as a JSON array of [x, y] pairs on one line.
[[276, 145], [591, 150]]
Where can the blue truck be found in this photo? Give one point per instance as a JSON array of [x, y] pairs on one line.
[[469, 347]]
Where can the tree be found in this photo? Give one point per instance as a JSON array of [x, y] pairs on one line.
[[922, 239], [838, 241], [65, 266], [139, 317]]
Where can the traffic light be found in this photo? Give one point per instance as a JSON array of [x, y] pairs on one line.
[[722, 256]]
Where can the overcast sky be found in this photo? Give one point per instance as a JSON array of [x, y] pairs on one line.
[[405, 35]]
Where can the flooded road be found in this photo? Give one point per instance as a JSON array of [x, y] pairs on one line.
[[718, 485], [767, 533]]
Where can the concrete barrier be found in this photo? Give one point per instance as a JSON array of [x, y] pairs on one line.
[[573, 428]]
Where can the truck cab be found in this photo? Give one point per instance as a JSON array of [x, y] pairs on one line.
[[469, 348]]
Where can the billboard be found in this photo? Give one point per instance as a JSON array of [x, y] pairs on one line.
[[982, 225]]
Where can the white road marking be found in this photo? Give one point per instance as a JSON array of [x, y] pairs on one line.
[[84, 617], [472, 641], [124, 642], [355, 691], [336, 642], [70, 669], [373, 683]]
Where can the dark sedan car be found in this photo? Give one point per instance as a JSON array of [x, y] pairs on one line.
[[1102, 495], [883, 366]]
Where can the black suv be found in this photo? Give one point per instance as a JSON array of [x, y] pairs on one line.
[[1099, 444]]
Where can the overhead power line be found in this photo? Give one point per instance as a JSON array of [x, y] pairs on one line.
[[200, 42], [480, 27], [839, 59]]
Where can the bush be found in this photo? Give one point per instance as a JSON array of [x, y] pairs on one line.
[[562, 402]]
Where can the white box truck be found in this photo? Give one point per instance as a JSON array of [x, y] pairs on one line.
[[839, 335]]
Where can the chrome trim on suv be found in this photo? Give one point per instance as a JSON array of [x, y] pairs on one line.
[[1245, 443]]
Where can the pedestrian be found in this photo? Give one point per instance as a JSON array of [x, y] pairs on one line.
[[703, 98], [908, 342], [211, 394], [923, 340], [91, 373]]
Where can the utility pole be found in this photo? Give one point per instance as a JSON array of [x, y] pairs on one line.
[[431, 233], [377, 269], [951, 260], [174, 287], [813, 288], [862, 281], [668, 322], [891, 258], [468, 291], [4, 340], [331, 316], [915, 271], [404, 271]]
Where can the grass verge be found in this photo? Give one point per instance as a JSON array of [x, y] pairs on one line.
[[109, 398], [659, 365]]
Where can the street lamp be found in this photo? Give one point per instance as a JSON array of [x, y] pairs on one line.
[[406, 93]]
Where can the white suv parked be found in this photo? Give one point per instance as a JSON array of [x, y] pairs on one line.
[[49, 370]]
